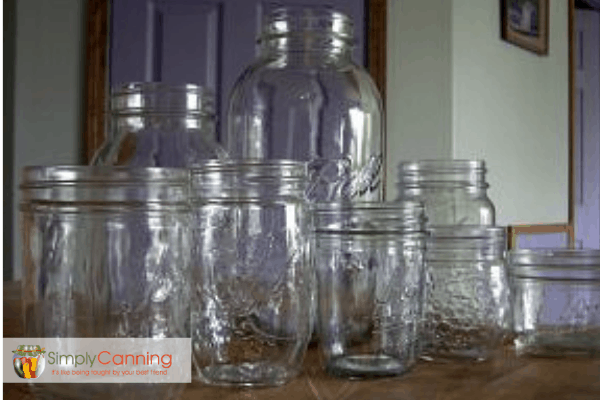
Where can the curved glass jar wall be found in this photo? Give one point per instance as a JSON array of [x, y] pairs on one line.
[[106, 255], [556, 301], [252, 297], [467, 311], [304, 99], [454, 191], [157, 125], [369, 262]]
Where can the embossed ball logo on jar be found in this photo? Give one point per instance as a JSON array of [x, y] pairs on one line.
[[29, 361]]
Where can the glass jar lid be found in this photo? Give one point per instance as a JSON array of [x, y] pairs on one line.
[[155, 97], [369, 217]]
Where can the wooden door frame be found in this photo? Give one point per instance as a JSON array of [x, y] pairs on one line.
[[97, 85], [569, 227]]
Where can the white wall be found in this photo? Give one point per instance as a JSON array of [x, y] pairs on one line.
[[50, 44], [491, 100], [419, 82], [510, 107]]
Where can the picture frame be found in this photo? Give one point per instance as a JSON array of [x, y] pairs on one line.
[[524, 23]]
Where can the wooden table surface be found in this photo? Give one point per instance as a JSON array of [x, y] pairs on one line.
[[505, 377]]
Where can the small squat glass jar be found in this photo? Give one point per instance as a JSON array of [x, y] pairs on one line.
[[369, 263], [467, 306], [251, 310], [153, 124], [106, 255], [556, 301], [454, 191]]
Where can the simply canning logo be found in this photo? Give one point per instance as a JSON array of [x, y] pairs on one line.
[[29, 361]]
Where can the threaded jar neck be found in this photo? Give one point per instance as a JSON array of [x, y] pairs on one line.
[[248, 180], [555, 264], [100, 186], [468, 174], [307, 35], [369, 217], [466, 242]]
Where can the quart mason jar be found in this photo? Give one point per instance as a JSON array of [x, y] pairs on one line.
[[252, 297], [157, 125], [106, 255], [467, 305], [304, 99], [369, 263], [454, 191]]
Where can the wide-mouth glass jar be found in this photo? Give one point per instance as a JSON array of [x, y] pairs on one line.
[[369, 263], [454, 191], [556, 301], [106, 255], [252, 297], [467, 307], [305, 99], [153, 124]]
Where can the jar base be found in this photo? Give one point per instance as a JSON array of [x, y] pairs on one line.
[[367, 366], [246, 375]]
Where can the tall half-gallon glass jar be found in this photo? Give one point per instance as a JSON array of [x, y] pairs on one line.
[[157, 125], [454, 191], [304, 99]]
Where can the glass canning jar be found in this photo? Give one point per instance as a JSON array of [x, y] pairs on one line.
[[454, 191], [467, 306], [157, 125], [369, 263], [106, 255], [305, 99], [251, 310], [556, 301]]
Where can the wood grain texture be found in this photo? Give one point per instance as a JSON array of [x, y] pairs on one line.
[[502, 378]]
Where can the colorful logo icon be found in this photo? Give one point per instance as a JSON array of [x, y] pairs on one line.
[[29, 361]]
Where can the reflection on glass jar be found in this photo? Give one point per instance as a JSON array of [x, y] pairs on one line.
[[369, 263], [106, 254], [252, 282], [304, 99], [467, 311]]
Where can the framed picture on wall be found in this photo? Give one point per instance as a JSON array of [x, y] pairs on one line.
[[524, 23]]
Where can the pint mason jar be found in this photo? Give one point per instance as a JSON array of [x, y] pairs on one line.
[[251, 304], [305, 99], [369, 263], [467, 305], [106, 255], [153, 124], [454, 191]]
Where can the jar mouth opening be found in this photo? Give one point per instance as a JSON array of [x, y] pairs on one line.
[[289, 20], [157, 97], [35, 176]]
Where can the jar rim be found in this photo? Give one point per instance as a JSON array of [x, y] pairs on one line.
[[554, 258], [442, 166], [285, 20], [467, 232], [38, 175], [141, 97], [246, 164]]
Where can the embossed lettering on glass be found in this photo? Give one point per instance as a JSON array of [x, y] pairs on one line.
[[304, 99], [106, 254], [251, 305], [369, 263], [556, 300]]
